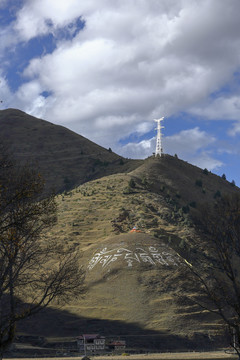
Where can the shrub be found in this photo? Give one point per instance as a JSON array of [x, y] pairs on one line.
[[132, 183], [233, 183], [162, 188], [185, 209], [193, 204], [182, 244], [144, 181], [178, 195], [198, 182], [217, 194], [205, 171], [223, 176]]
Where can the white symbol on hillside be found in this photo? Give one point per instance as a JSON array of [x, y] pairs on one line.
[[151, 256]]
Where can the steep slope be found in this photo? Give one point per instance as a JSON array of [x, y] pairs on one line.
[[184, 186], [64, 158], [131, 276]]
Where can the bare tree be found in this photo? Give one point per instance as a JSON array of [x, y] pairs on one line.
[[33, 271], [213, 271]]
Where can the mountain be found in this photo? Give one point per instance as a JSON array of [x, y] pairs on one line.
[[64, 158], [131, 276]]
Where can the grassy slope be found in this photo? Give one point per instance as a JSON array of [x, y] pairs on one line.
[[101, 213], [65, 158]]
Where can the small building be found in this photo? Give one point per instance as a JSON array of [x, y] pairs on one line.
[[91, 343], [117, 345]]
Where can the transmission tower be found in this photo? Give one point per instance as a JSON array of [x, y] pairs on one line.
[[159, 127]]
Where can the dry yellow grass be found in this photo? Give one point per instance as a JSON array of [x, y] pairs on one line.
[[86, 219], [214, 355], [135, 300], [217, 355]]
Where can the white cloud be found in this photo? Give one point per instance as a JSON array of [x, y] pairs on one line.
[[221, 108], [40, 17], [206, 161], [5, 93], [235, 129], [188, 141], [131, 63], [192, 145], [140, 150], [8, 40]]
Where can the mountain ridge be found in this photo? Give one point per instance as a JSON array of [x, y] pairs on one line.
[[65, 158]]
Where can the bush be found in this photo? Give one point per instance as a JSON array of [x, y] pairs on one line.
[[144, 181], [223, 176], [178, 195], [185, 209], [217, 194], [162, 188], [198, 182], [132, 183], [205, 171], [193, 204], [182, 244]]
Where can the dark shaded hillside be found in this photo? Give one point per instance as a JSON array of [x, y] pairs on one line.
[[64, 158], [57, 329], [185, 187]]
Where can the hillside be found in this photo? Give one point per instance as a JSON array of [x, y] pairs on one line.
[[64, 158], [130, 276]]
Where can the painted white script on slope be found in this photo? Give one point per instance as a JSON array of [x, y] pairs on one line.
[[151, 256]]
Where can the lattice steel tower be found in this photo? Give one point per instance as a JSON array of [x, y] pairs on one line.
[[159, 127]]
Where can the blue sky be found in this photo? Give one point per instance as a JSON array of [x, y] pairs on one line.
[[106, 69]]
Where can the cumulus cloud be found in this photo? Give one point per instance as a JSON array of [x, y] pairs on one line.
[[130, 64], [192, 145], [5, 93], [37, 18], [235, 129], [221, 108], [140, 150], [188, 141], [195, 146]]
